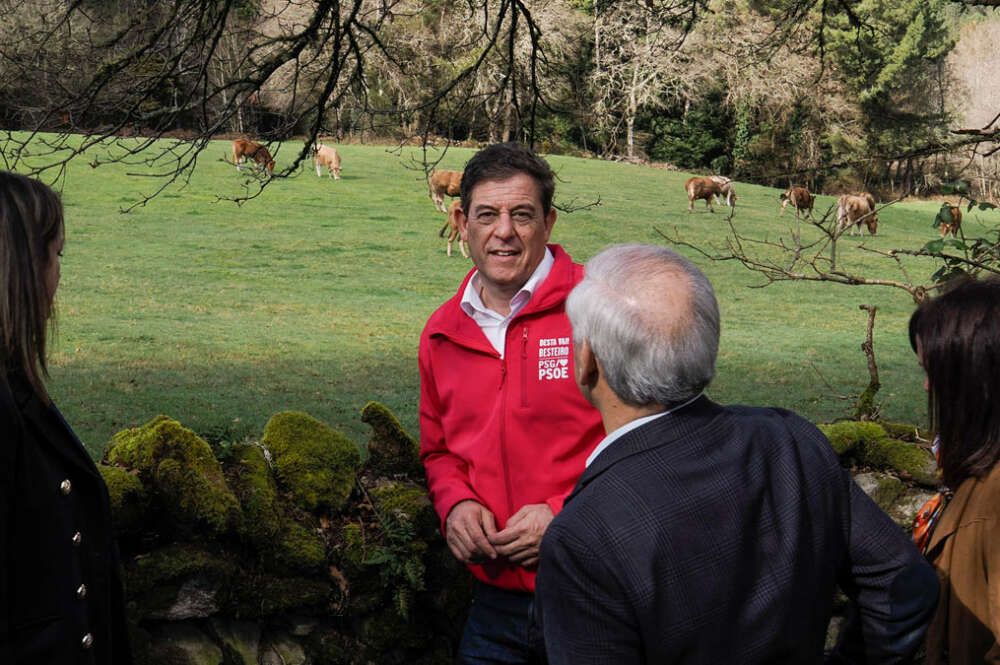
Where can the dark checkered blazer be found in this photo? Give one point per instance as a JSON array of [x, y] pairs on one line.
[[719, 535]]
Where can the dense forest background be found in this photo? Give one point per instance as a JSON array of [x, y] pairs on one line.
[[835, 95]]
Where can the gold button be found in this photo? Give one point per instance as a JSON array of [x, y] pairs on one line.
[[87, 641], [77, 538], [81, 591], [65, 486]]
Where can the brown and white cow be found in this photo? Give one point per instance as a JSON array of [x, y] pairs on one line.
[[855, 209], [326, 155], [951, 219], [702, 188], [727, 193], [801, 200], [441, 183], [242, 148], [453, 233]]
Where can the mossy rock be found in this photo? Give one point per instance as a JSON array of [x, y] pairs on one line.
[[846, 437], [884, 489], [180, 581], [298, 549], [180, 467], [332, 647], [391, 451], [389, 635], [176, 562], [900, 457], [249, 477], [129, 499], [282, 542], [366, 592], [904, 431], [317, 464], [869, 444], [409, 502], [267, 596]]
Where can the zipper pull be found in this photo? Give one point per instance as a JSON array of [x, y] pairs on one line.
[[524, 343]]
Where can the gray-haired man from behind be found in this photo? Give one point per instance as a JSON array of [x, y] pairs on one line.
[[702, 533]]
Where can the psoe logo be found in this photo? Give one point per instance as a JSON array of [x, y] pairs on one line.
[[556, 368]]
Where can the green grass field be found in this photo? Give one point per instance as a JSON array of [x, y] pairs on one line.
[[312, 296]]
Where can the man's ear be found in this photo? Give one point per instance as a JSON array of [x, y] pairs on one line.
[[463, 224], [585, 367]]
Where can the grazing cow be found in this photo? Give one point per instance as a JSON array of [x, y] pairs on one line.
[[326, 155], [801, 200], [251, 150], [444, 182], [853, 209], [453, 210], [727, 192], [951, 218], [702, 188]]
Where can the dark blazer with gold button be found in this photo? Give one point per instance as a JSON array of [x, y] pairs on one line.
[[61, 596]]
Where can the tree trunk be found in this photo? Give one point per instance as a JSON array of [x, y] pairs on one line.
[[508, 116], [866, 409], [597, 38], [630, 117]]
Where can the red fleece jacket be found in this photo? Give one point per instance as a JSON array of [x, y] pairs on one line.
[[506, 432]]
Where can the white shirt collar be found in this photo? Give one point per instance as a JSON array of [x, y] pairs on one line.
[[634, 424], [473, 303]]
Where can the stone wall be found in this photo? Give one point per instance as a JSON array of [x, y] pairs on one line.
[[291, 550], [288, 550]]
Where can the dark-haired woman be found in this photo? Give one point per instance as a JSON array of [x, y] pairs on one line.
[[60, 591], [957, 340]]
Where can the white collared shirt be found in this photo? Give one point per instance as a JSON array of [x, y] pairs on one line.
[[493, 324], [629, 426]]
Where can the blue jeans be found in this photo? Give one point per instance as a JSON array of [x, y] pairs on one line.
[[501, 629]]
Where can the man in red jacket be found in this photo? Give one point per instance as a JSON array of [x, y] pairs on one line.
[[504, 433]]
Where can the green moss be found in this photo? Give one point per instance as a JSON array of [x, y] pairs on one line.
[[869, 444], [900, 457], [904, 431], [175, 562], [269, 595], [353, 552], [282, 542], [316, 463], [249, 476], [391, 451], [299, 549], [129, 499], [887, 491], [185, 475], [866, 402], [409, 502], [847, 436]]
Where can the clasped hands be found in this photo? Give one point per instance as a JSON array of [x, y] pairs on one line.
[[472, 536]]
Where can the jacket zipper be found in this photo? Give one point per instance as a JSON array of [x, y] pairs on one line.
[[524, 368], [503, 440]]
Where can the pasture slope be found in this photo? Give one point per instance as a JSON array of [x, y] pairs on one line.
[[312, 296]]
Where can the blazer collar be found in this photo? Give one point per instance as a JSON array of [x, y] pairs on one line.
[[955, 511], [659, 432]]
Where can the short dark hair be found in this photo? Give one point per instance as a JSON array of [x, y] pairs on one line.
[[503, 160], [31, 218], [959, 337]]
